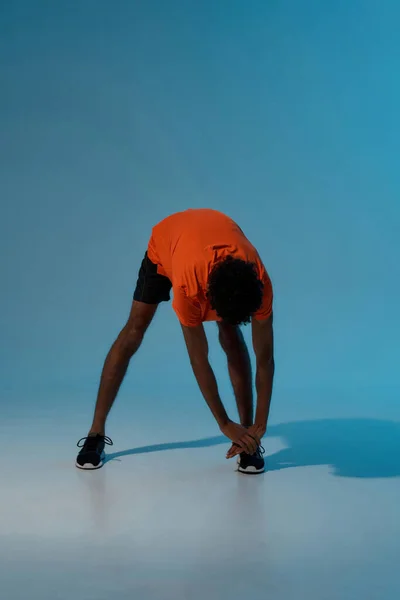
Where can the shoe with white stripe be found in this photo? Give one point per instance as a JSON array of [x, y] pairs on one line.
[[252, 464], [92, 455]]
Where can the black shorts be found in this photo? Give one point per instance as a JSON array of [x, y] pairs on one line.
[[151, 287]]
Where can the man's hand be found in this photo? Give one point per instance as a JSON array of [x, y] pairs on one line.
[[256, 431], [243, 439]]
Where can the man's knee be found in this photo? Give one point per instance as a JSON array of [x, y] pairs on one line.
[[131, 336], [139, 320]]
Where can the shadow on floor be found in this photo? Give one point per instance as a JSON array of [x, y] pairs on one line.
[[367, 448], [204, 443]]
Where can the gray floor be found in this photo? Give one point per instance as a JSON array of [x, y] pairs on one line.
[[175, 521]]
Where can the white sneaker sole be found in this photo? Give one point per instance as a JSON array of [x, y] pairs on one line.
[[251, 470], [89, 466]]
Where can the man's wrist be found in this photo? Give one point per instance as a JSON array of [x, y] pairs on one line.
[[223, 422]]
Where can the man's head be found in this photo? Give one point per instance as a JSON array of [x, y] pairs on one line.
[[234, 290]]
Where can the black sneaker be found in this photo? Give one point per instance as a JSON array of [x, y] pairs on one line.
[[92, 454], [252, 464]]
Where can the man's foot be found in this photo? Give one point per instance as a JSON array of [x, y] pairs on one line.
[[252, 464], [92, 454]]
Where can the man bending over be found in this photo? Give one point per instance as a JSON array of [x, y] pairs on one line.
[[217, 275]]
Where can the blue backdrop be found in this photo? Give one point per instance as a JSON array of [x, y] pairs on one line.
[[285, 115], [282, 114]]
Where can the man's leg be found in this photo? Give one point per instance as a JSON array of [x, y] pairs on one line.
[[239, 367], [117, 361], [151, 289], [91, 455]]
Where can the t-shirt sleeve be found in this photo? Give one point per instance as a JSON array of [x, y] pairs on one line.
[[265, 311], [187, 310], [153, 252], [152, 249]]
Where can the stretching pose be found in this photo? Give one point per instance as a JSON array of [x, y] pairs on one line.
[[217, 275]]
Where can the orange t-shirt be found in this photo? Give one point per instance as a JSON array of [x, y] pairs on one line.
[[186, 246]]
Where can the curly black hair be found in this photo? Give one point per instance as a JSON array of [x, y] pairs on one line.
[[234, 290]]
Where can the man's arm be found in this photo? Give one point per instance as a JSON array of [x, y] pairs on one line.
[[197, 346], [263, 344]]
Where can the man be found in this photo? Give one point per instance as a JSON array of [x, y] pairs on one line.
[[216, 275]]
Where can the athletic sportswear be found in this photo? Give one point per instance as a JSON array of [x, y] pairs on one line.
[[185, 247]]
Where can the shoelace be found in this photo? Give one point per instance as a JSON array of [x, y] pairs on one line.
[[91, 441]]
